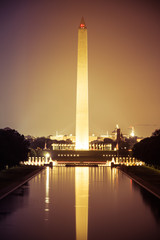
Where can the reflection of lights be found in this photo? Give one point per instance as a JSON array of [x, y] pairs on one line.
[[81, 202], [131, 184], [47, 194], [47, 181]]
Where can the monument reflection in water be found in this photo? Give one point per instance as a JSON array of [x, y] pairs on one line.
[[81, 202], [47, 195]]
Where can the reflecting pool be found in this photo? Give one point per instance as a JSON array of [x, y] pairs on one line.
[[80, 203]]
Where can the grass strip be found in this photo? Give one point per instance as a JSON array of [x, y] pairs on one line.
[[12, 177], [147, 176]]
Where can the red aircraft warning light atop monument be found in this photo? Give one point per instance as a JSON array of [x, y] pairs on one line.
[[82, 24]]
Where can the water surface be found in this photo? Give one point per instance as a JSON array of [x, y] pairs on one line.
[[80, 203]]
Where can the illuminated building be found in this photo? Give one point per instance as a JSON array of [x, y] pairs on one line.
[[118, 133], [60, 137], [82, 126]]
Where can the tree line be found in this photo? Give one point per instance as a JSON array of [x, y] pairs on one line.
[[13, 148], [148, 149]]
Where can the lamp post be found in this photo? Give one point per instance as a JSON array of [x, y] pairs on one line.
[[47, 156]]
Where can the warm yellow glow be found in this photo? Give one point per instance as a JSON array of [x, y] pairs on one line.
[[82, 145], [47, 155], [81, 199], [113, 161], [47, 195], [132, 134], [47, 181], [54, 163], [82, 128]]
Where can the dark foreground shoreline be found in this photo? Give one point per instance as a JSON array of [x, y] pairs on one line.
[[146, 177], [14, 177]]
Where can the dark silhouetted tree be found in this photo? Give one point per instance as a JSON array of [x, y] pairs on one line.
[[108, 141], [156, 133], [13, 148], [148, 149], [32, 153], [41, 142]]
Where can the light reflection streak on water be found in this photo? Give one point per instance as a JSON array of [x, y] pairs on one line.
[[81, 202], [131, 185], [47, 195]]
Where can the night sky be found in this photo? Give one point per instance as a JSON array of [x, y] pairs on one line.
[[38, 64]]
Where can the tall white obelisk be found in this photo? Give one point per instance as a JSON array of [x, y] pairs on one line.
[[82, 124]]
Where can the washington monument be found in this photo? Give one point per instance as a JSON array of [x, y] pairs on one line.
[[82, 122]]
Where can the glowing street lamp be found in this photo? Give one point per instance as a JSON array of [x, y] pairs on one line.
[[47, 156]]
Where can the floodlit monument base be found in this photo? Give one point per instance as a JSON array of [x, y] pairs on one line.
[[79, 156], [89, 157]]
